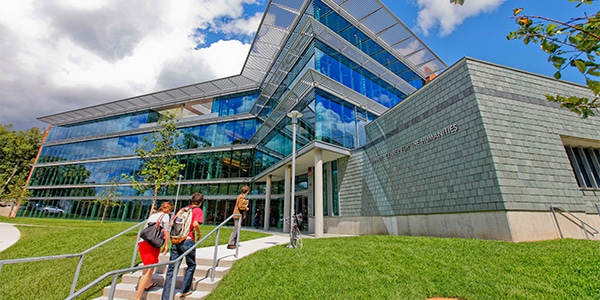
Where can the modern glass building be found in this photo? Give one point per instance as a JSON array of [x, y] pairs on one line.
[[382, 147], [340, 63]]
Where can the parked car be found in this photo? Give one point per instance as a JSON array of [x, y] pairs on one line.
[[53, 210]]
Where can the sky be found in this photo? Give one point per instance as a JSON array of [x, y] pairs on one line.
[[61, 55]]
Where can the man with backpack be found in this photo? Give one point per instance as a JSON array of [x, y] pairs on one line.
[[185, 232]]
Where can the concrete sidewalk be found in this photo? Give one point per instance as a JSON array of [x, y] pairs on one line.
[[9, 235]]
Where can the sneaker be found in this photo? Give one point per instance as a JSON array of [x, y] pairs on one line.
[[185, 294], [230, 246]]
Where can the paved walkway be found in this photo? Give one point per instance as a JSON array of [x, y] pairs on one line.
[[9, 235]]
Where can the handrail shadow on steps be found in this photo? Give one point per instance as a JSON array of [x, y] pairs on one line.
[[80, 255], [177, 262], [582, 224]]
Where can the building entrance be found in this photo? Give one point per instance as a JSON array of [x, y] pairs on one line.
[[301, 207]]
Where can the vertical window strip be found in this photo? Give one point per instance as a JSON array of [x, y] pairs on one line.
[[585, 165]]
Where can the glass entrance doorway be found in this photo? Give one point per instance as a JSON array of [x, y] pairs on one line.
[[301, 207]]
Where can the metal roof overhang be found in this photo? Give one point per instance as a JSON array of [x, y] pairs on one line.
[[305, 158], [278, 22], [273, 32]]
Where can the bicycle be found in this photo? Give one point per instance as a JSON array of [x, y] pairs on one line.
[[295, 234]]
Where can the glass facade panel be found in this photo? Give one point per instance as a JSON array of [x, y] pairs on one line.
[[353, 35], [102, 126], [229, 133], [234, 104], [332, 64]]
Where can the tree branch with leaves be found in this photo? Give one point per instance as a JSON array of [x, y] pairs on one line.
[[574, 43], [18, 150], [159, 165], [108, 197]]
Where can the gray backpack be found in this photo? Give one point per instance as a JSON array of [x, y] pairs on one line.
[[180, 227]]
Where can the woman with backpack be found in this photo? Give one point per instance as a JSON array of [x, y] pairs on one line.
[[148, 253]]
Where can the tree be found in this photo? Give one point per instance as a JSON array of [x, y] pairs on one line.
[[18, 150], [108, 197], [159, 166], [573, 43]]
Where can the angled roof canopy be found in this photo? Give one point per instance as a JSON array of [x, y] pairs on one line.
[[278, 22]]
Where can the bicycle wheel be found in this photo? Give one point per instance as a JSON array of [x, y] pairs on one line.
[[299, 239], [296, 238], [292, 238]]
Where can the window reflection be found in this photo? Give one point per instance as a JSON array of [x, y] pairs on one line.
[[229, 133]]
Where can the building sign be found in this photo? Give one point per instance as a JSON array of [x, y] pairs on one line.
[[419, 142]]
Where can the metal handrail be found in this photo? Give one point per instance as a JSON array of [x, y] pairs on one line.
[[582, 226], [177, 262], [80, 255]]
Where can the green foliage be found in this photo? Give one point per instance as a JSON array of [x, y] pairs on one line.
[[574, 43], [108, 197], [18, 150], [393, 267], [159, 166]]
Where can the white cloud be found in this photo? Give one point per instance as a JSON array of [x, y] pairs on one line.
[[60, 55], [447, 16], [242, 26]]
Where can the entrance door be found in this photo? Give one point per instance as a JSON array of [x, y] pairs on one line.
[[301, 206]]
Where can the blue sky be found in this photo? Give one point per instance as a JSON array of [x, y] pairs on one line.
[[60, 55]]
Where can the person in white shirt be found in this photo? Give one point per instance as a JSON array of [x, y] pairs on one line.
[[150, 254]]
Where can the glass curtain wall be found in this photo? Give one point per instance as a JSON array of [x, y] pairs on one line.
[[203, 136], [102, 126], [353, 35]]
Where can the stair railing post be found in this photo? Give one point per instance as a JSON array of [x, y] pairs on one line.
[[135, 247], [587, 237], [214, 263], [556, 220], [76, 277], [174, 278], [113, 287], [237, 239]]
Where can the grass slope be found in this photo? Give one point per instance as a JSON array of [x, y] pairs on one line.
[[53, 279], [365, 267], [392, 267]]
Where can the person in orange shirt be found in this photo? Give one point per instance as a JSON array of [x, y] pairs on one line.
[[241, 206]]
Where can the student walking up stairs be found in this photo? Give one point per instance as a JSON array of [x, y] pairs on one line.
[[202, 284]]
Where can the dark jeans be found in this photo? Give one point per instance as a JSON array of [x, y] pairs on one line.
[[257, 222], [190, 260]]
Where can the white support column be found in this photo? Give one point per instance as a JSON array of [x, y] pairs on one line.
[[318, 185], [286, 197], [329, 189], [267, 212]]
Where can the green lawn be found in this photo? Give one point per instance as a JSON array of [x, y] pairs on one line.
[[399, 267], [52, 279], [365, 267]]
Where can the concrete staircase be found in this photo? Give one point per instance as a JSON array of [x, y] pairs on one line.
[[201, 284]]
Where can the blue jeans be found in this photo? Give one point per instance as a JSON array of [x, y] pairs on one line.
[[190, 260]]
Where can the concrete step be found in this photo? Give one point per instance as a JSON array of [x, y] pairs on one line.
[[225, 258], [127, 291], [202, 284], [201, 271]]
